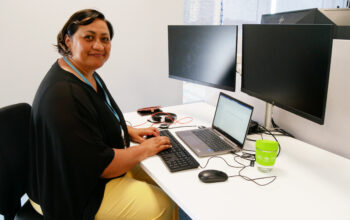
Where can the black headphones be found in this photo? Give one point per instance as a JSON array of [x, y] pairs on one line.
[[164, 117]]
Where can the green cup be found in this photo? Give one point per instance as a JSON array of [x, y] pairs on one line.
[[265, 154]]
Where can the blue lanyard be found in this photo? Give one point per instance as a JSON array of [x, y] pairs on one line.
[[107, 101]]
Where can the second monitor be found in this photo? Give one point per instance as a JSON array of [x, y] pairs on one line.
[[288, 66], [204, 54]]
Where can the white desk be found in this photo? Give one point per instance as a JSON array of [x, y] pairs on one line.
[[311, 183]]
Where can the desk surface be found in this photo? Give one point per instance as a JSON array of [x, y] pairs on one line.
[[311, 183]]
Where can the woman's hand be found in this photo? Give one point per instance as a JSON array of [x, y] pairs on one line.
[[154, 145], [125, 159], [137, 134]]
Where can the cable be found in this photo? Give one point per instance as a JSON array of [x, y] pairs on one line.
[[248, 139], [219, 158], [179, 120], [248, 157], [185, 126], [276, 127], [248, 150], [279, 145], [254, 180], [276, 134]]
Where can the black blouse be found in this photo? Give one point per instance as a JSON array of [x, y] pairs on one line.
[[72, 135]]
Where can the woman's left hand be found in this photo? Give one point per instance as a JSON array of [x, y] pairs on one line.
[[138, 134]]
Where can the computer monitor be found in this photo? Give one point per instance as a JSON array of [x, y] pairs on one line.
[[203, 54], [288, 66], [339, 17]]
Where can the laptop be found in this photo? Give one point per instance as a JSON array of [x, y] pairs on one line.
[[227, 133]]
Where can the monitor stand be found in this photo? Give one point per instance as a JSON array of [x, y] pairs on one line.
[[268, 116]]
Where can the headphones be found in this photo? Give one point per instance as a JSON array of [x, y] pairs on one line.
[[164, 117]]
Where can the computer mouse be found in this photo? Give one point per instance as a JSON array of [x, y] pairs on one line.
[[212, 176]]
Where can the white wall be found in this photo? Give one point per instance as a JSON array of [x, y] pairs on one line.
[[137, 70], [333, 135]]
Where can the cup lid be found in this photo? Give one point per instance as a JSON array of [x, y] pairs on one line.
[[268, 145]]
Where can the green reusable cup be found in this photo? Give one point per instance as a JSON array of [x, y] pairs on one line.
[[265, 154]]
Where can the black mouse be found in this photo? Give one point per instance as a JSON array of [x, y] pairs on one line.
[[212, 176]]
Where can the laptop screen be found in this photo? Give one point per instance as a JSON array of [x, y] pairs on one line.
[[232, 117]]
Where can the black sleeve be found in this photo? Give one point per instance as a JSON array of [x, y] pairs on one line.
[[74, 151], [74, 124]]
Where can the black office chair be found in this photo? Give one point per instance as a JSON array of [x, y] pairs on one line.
[[14, 133]]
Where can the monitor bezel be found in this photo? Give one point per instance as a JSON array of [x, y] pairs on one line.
[[229, 88]]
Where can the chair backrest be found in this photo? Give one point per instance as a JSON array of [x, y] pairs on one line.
[[14, 142]]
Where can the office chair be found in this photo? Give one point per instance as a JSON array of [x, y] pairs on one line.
[[14, 135]]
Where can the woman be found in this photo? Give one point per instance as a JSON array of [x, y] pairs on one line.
[[79, 147]]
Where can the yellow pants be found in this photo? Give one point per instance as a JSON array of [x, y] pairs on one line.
[[134, 196]]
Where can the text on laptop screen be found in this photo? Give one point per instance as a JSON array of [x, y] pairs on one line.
[[232, 117]]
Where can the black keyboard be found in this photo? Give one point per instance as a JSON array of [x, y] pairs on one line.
[[176, 158], [212, 140]]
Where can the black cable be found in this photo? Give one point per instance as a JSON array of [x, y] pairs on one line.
[[284, 132], [276, 127], [219, 158], [254, 180], [248, 139], [236, 155], [279, 145], [154, 122], [276, 134], [248, 150], [249, 157]]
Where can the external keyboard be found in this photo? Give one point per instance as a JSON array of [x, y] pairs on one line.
[[176, 158], [212, 140]]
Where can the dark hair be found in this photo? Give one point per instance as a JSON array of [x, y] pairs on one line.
[[82, 17]]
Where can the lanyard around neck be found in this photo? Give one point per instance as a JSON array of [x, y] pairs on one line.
[[107, 101]]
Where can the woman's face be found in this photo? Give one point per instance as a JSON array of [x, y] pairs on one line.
[[90, 45]]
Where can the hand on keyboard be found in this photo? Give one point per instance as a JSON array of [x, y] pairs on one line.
[[137, 134], [154, 145]]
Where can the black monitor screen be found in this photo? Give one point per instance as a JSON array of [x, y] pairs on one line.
[[203, 54], [288, 66]]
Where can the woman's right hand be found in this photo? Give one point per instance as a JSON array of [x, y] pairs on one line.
[[154, 145]]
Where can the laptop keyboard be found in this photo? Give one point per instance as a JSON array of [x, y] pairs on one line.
[[212, 140], [176, 158]]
